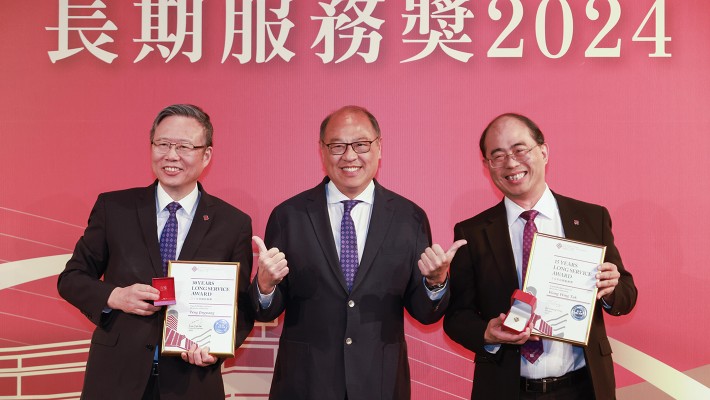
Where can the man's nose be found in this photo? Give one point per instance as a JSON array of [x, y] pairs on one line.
[[172, 153], [350, 153], [510, 161]]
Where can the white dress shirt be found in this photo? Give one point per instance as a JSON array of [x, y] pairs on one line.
[[360, 214], [558, 358], [184, 215]]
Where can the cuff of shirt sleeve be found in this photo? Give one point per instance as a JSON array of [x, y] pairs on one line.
[[606, 306], [437, 293], [491, 348], [265, 299]]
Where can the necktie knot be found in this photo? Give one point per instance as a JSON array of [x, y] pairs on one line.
[[173, 207], [349, 204], [529, 215]]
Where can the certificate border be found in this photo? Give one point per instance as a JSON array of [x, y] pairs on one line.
[[594, 292], [233, 325]]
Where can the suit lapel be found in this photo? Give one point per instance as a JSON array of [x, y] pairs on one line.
[[380, 220], [498, 237], [200, 225], [147, 218], [572, 223], [317, 209]]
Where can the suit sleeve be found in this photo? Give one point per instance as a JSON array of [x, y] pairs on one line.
[[272, 238], [80, 283], [625, 293], [242, 253], [417, 301], [463, 322]]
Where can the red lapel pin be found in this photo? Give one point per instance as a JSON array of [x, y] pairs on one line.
[[576, 222], [206, 217]]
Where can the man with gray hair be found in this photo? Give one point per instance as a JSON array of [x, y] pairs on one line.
[[108, 278]]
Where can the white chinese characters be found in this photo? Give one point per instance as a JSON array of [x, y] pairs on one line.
[[353, 23], [276, 31], [447, 18], [74, 19]]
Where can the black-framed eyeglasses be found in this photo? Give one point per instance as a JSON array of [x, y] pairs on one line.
[[163, 147], [518, 154], [360, 147]]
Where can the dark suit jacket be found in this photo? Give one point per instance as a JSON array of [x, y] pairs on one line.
[[483, 277], [121, 245], [332, 340]]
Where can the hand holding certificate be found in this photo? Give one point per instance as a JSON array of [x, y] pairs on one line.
[[562, 275], [205, 313]]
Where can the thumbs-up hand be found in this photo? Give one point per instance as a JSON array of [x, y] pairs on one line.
[[272, 266], [434, 262]]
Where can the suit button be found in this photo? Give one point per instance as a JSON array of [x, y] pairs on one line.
[[351, 304], [348, 341], [150, 347]]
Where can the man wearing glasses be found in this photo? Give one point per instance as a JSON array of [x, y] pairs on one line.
[[344, 260], [131, 236], [486, 273]]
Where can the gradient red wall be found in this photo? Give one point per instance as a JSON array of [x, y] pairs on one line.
[[628, 132]]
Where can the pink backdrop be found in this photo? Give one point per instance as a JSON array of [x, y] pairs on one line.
[[627, 132]]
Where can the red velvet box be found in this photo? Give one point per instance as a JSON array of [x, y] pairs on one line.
[[521, 311], [166, 286]]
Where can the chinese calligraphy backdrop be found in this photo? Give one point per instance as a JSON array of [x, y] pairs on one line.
[[620, 88]]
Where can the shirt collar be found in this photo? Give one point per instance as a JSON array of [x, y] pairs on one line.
[[333, 195], [546, 206], [187, 202]]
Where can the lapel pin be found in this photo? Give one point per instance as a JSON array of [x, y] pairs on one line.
[[207, 217], [576, 222]]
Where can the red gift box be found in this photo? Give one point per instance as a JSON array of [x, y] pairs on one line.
[[166, 286], [521, 311]]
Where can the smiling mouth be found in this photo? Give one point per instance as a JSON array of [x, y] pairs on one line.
[[172, 169], [350, 169], [516, 177]]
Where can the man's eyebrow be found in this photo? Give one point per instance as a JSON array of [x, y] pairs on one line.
[[511, 147]]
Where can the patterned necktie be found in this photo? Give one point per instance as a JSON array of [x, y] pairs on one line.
[[168, 238], [531, 350], [348, 244]]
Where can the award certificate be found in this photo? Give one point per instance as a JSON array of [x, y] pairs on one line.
[[562, 275], [205, 312]]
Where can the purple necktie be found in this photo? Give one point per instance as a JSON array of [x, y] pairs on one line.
[[348, 244], [531, 350], [168, 238]]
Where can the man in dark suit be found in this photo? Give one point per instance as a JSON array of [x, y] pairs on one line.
[[486, 273], [108, 278], [343, 333]]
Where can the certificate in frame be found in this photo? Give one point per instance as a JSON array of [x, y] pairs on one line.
[[561, 273], [205, 312]]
